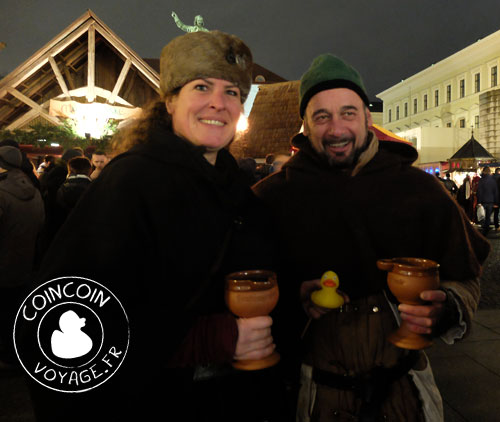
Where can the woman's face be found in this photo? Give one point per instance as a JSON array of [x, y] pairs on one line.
[[206, 111]]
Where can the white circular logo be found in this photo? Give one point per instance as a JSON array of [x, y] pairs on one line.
[[71, 334]]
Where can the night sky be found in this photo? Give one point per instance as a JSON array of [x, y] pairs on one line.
[[386, 40]]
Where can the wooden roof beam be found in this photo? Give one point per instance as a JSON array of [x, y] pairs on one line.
[[40, 59], [91, 65], [120, 81], [14, 92], [59, 77]]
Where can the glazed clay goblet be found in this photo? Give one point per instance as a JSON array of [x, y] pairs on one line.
[[249, 294], [407, 278]]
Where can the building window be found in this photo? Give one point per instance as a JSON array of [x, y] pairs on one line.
[[397, 113], [477, 82], [415, 108], [476, 122], [448, 124], [406, 109], [462, 123], [436, 97], [462, 88], [494, 76], [390, 116], [448, 94], [425, 102]]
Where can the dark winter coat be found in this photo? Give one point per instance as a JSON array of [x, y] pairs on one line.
[[487, 190], [389, 209], [345, 221], [21, 219], [150, 229], [71, 190]]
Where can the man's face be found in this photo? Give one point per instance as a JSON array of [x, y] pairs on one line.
[[99, 161], [336, 122]]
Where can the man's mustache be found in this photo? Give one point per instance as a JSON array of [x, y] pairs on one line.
[[337, 140]]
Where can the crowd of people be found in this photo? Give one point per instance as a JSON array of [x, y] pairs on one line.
[[34, 203], [172, 214], [479, 197]]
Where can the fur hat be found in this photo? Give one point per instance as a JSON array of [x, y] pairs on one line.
[[212, 54], [10, 157], [327, 72]]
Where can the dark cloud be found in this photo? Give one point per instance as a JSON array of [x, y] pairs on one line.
[[387, 40]]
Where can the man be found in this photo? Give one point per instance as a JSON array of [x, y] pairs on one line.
[[79, 169], [450, 185], [99, 160], [487, 195], [50, 181], [496, 208], [21, 219], [342, 202]]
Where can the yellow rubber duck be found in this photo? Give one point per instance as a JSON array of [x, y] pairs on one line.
[[328, 297]]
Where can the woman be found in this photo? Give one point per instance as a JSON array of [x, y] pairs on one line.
[[160, 227]]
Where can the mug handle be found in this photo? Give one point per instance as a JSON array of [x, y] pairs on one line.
[[385, 264]]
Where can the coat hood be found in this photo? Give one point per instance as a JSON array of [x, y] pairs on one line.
[[392, 151], [16, 183]]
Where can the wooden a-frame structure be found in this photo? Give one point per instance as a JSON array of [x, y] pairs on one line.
[[87, 63]]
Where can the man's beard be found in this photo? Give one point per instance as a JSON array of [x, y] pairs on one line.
[[335, 159]]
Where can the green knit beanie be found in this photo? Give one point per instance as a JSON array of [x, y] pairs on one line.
[[327, 72]]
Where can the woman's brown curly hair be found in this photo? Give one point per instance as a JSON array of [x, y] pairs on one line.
[[153, 115]]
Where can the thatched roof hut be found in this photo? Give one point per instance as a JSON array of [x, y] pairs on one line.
[[273, 121]]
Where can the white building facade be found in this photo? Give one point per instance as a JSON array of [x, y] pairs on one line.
[[437, 107]]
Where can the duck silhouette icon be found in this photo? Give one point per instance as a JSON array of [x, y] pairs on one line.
[[70, 342]]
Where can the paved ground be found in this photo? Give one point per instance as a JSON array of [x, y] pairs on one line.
[[490, 280], [467, 373]]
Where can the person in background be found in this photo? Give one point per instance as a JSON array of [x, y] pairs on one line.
[[27, 165], [77, 182], [264, 169], [496, 207], [50, 182], [249, 166], [474, 185], [465, 197], [160, 227], [21, 219], [99, 160], [342, 202], [450, 185], [487, 196], [46, 165]]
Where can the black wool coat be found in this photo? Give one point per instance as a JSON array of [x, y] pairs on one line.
[[150, 229]]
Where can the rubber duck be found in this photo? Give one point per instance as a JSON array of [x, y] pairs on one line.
[[327, 296]]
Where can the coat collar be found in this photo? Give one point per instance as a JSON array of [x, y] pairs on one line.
[[378, 154]]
